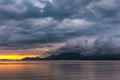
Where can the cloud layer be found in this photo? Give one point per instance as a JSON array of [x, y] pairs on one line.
[[26, 24]]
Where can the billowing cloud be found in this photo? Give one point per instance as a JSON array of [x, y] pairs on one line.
[[26, 24]]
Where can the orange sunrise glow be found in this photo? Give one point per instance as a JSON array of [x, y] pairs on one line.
[[14, 57]]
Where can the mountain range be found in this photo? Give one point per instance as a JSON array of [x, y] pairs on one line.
[[75, 56]]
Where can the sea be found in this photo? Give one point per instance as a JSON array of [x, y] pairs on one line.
[[60, 70]]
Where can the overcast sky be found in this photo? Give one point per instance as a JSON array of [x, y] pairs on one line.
[[49, 24]]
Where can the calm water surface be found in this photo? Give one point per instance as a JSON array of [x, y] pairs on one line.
[[60, 70]]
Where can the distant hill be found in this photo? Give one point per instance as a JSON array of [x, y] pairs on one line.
[[75, 56], [65, 56], [32, 58]]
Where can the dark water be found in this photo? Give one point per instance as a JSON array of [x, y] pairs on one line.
[[60, 70]]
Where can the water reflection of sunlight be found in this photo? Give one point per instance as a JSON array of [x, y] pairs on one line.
[[9, 67]]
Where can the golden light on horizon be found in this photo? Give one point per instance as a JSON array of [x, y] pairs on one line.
[[34, 52], [14, 57]]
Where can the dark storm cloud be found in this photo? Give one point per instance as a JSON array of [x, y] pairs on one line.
[[31, 22], [22, 9], [90, 46]]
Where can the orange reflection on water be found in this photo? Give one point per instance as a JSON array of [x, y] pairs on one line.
[[10, 67], [19, 67]]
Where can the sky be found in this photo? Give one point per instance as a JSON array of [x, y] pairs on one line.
[[40, 27]]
